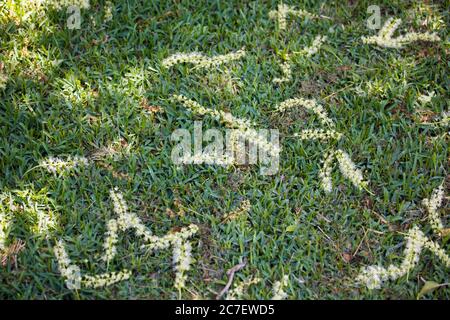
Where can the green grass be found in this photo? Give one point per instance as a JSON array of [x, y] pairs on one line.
[[70, 92]]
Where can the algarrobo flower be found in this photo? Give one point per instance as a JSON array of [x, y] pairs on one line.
[[384, 36], [432, 206], [237, 293], [242, 125], [284, 10], [278, 289], [58, 165], [182, 261], [127, 220], [202, 61], [374, 276], [325, 173], [225, 117], [308, 104], [286, 67], [4, 227], [314, 48], [349, 170], [318, 134], [74, 280]]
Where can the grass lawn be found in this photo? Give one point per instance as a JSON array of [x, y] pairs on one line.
[[102, 92]]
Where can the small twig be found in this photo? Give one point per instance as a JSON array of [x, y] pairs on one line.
[[230, 274]]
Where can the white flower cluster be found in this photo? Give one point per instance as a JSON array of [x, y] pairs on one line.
[[284, 10], [374, 276], [237, 293], [243, 126], [278, 289], [46, 220], [108, 11], [314, 48], [308, 104], [426, 98], [286, 69], [347, 168], [202, 61], [432, 206], [318, 134], [384, 36], [127, 220], [72, 274], [105, 279], [325, 173], [62, 4], [58, 165], [182, 262], [111, 240], [210, 159], [69, 271], [225, 117]]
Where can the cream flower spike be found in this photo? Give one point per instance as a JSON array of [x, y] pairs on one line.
[[278, 288], [432, 206], [308, 104], [286, 70], [202, 61], [72, 274], [243, 126], [237, 293], [182, 262], [124, 221], [347, 168], [374, 276], [58, 165], [284, 10], [286, 66], [384, 37], [314, 48]]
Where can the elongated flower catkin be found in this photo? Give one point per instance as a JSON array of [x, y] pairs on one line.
[[308, 104], [384, 37], [286, 70], [349, 170], [318, 134], [278, 289], [432, 206], [58, 165], [325, 173], [238, 292], [182, 262], [202, 61], [374, 276], [314, 48], [243, 126], [284, 10]]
